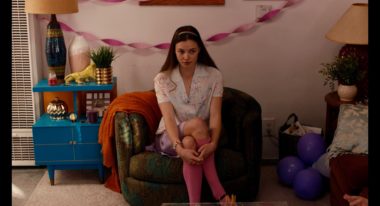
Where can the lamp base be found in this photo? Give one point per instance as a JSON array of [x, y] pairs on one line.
[[55, 49]]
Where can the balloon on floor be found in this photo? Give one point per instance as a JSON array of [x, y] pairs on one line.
[[287, 169], [295, 171], [310, 147], [308, 184]]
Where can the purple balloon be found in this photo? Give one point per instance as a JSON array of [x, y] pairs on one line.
[[310, 147], [308, 184], [287, 169]]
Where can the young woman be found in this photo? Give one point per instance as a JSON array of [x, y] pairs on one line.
[[189, 91]]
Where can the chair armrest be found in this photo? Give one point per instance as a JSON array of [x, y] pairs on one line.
[[131, 136], [242, 131], [252, 146], [123, 141]]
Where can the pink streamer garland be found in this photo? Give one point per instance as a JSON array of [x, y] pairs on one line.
[[214, 38], [114, 1]]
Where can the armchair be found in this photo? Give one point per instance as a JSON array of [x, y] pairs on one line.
[[148, 178], [348, 154]]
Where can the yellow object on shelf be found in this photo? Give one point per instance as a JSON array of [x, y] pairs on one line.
[[88, 74]]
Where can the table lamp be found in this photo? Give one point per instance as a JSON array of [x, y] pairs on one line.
[[352, 30], [55, 48]]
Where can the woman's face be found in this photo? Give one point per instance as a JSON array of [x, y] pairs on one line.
[[187, 53]]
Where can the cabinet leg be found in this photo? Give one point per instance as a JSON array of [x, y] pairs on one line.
[[51, 174], [101, 173]]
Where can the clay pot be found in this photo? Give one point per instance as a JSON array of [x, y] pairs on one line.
[[347, 93]]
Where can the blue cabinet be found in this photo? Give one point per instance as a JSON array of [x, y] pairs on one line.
[[62, 144]]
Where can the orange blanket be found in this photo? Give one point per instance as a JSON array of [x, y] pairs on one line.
[[144, 103]]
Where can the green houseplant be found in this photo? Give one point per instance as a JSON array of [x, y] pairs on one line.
[[103, 58], [346, 72], [344, 69]]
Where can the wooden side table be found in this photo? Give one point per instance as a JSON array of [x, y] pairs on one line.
[[332, 112]]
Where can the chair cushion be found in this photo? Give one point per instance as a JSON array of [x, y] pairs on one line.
[[153, 167]]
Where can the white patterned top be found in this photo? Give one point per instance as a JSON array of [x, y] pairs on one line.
[[207, 82]]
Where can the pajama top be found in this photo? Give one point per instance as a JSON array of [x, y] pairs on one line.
[[207, 82]]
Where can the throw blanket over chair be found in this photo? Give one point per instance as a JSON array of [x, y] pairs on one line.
[[148, 178]]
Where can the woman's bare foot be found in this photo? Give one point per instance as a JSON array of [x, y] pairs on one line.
[[228, 201]]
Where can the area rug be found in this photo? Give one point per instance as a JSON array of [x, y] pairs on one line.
[[74, 188]]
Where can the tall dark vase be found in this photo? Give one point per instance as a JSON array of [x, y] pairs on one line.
[[55, 49]]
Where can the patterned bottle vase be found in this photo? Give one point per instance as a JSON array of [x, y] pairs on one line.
[[103, 75], [55, 49]]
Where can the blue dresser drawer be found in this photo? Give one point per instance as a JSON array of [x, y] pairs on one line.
[[53, 135], [88, 152], [52, 153], [89, 133]]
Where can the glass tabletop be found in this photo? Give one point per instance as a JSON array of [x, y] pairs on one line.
[[279, 203]]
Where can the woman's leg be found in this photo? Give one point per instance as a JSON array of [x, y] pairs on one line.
[[198, 129], [192, 173], [209, 170]]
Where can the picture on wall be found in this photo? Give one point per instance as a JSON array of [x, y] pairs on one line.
[[98, 101]]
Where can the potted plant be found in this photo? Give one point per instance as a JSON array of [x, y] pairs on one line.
[[346, 72], [103, 58]]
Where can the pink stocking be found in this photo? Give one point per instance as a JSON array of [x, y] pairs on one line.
[[193, 178], [209, 170]]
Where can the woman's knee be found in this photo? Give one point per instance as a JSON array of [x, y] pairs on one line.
[[189, 142], [198, 128]]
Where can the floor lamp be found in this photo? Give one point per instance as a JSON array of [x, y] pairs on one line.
[[55, 48]]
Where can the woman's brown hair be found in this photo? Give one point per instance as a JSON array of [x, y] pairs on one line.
[[184, 33]]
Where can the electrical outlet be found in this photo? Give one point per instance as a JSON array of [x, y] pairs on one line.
[[261, 10], [269, 127]]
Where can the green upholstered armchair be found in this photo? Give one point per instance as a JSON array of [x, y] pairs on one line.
[[148, 178]]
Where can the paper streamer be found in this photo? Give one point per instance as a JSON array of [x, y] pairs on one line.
[[214, 38], [114, 1]]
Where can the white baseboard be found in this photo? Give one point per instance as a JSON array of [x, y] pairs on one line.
[[23, 163]]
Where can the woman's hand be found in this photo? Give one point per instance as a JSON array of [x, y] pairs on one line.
[[206, 150], [189, 155], [356, 200]]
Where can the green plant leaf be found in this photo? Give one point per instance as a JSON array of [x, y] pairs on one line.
[[103, 56], [344, 70]]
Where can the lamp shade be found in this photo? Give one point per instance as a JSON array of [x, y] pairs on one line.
[[51, 6], [352, 27]]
